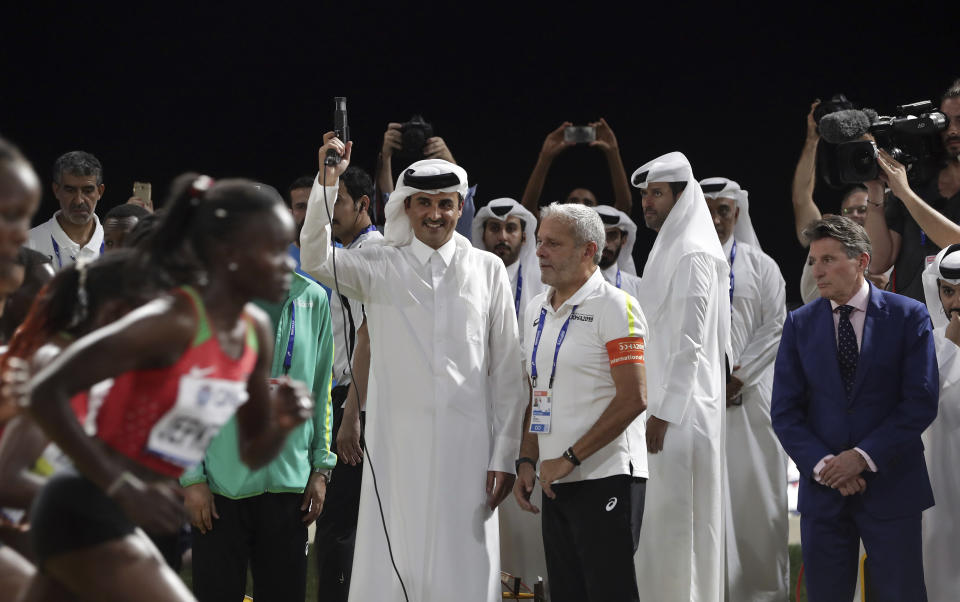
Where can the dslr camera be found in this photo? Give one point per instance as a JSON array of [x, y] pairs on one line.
[[912, 137], [414, 135]]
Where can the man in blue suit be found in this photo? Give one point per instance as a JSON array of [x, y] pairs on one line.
[[855, 385]]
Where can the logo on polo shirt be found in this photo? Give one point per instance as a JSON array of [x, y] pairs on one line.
[[582, 317], [611, 504]]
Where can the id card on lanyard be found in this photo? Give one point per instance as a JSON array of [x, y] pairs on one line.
[[274, 383], [541, 414]]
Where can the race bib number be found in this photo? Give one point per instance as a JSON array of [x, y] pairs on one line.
[[628, 350], [542, 412], [203, 406]]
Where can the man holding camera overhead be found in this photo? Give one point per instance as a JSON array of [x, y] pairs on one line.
[[905, 233]]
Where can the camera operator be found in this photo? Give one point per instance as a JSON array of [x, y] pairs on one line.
[[434, 148], [853, 205], [554, 144], [909, 227]]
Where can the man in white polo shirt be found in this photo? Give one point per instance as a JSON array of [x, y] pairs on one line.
[[584, 354], [74, 231]]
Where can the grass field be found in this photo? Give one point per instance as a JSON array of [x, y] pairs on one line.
[[312, 576]]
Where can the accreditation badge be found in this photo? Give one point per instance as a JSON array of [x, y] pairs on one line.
[[542, 411]]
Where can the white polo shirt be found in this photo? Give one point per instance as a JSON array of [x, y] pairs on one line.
[[50, 239], [583, 386]]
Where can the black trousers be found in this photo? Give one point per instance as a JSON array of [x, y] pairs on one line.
[[337, 525], [267, 531], [590, 533]]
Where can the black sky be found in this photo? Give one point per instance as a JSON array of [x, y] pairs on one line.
[[234, 89]]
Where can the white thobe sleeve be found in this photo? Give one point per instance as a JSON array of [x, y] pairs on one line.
[[761, 351], [508, 385], [948, 361], [354, 266], [695, 281]]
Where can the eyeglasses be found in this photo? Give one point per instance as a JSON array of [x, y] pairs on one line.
[[861, 209]]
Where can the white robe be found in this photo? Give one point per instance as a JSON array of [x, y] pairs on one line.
[[628, 282], [445, 406], [681, 551], [941, 440], [756, 463]]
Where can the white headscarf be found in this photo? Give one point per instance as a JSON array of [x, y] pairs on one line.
[[946, 260], [688, 229], [614, 217], [501, 209], [397, 232], [714, 188]]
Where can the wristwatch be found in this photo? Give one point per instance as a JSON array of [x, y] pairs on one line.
[[519, 461], [326, 473]]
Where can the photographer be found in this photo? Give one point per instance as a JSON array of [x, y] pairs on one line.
[[909, 226], [853, 204], [554, 144]]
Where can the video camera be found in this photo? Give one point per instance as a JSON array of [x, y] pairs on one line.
[[912, 137]]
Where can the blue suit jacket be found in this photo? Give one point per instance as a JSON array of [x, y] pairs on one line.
[[894, 399]]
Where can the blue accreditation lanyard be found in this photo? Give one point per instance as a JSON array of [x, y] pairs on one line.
[[556, 352], [288, 358], [733, 257], [618, 277], [56, 251], [516, 300]]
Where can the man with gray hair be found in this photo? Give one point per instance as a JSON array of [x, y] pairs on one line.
[[593, 469], [74, 232], [853, 428]]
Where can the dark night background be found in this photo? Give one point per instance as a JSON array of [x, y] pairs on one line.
[[246, 90]]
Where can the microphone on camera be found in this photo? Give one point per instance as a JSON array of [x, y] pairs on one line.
[[340, 127], [844, 126]]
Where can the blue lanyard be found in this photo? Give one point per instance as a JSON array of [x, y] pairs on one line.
[[618, 277], [370, 228], [288, 359], [733, 256], [56, 251], [556, 352], [516, 301]]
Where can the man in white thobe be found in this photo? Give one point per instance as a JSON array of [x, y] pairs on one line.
[[685, 297], [941, 440], [757, 524], [618, 251], [447, 392], [505, 228]]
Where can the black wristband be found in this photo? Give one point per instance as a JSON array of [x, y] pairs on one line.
[[524, 460], [572, 457]]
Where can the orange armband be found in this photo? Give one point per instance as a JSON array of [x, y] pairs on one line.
[[628, 350]]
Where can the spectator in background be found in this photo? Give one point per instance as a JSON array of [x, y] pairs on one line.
[[941, 440], [337, 524], [506, 229], [901, 236], [756, 465], [686, 300], [74, 230], [616, 263], [120, 221], [261, 517], [853, 205], [554, 144]]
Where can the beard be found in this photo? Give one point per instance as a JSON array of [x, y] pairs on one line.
[[608, 258]]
